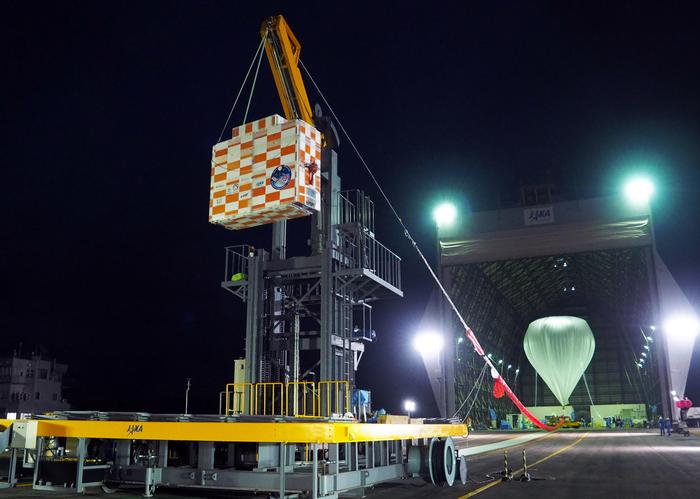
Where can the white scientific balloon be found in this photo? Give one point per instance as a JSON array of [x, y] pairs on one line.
[[560, 349]]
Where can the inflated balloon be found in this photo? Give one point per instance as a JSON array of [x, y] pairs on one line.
[[560, 349]]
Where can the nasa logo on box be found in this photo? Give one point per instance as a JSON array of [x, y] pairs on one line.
[[280, 177]]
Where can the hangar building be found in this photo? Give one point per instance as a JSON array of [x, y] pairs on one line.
[[594, 259]]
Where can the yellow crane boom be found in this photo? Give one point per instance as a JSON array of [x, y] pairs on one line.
[[283, 50]]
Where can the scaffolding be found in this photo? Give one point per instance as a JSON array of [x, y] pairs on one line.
[[309, 316]]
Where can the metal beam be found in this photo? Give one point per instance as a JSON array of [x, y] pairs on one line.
[[329, 209], [272, 432], [253, 313]]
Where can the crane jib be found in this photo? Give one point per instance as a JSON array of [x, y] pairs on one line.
[[283, 50]]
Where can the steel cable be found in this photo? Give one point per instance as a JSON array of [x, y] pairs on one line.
[[255, 80], [470, 391], [589, 396], [480, 382], [240, 90], [470, 334]]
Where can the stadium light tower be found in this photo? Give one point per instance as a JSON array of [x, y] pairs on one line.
[[682, 327], [431, 346], [639, 190], [445, 214], [428, 342], [409, 406]]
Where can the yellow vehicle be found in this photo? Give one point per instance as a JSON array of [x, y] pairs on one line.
[[567, 423]]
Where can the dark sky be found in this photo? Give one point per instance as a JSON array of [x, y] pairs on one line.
[[108, 112]]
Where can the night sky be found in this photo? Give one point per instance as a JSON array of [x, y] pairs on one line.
[[108, 112]]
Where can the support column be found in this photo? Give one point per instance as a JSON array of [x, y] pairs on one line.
[[123, 453], [205, 455], [283, 465], [660, 349], [314, 472], [296, 364], [12, 470], [329, 207], [448, 364], [254, 299], [82, 452], [279, 240], [333, 466], [163, 453], [37, 460]]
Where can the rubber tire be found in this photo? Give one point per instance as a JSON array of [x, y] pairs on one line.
[[437, 463], [431, 459]]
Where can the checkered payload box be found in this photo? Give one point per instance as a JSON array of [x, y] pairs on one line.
[[270, 170]]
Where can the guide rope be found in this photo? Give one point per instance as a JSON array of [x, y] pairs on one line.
[[240, 90], [255, 80], [589, 396], [476, 394], [474, 387], [469, 333]]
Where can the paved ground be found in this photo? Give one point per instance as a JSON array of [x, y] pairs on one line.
[[580, 464], [568, 464]]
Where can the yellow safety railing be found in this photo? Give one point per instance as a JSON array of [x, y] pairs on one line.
[[243, 398], [331, 392], [269, 399], [297, 400], [301, 399]]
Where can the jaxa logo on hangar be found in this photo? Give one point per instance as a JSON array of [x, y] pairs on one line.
[[134, 428], [540, 215]]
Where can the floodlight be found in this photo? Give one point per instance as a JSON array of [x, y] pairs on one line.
[[409, 406], [509, 366], [428, 342], [646, 347], [517, 371], [682, 326], [639, 190], [445, 214], [500, 362], [644, 354], [674, 393]]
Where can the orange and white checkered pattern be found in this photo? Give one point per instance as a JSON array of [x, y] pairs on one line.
[[242, 192]]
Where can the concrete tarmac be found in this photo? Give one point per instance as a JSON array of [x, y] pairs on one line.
[[578, 464], [567, 464]]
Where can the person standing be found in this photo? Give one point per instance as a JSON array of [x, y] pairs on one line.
[[684, 405], [669, 427], [662, 425]]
